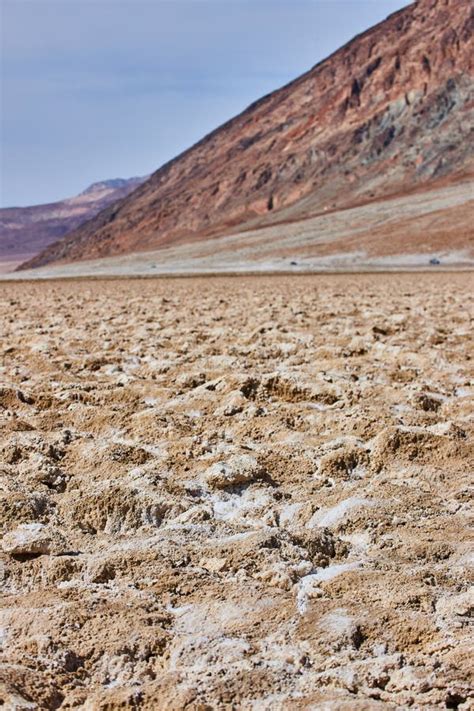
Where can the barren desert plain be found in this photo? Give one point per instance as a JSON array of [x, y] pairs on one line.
[[237, 493]]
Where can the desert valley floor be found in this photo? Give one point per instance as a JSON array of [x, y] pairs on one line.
[[236, 493]]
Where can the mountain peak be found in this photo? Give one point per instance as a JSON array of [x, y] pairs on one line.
[[112, 184]]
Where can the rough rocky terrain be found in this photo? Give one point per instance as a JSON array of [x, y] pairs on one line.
[[25, 231], [237, 493], [391, 111]]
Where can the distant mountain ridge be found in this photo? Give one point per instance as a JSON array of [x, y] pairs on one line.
[[113, 184], [25, 231], [388, 113]]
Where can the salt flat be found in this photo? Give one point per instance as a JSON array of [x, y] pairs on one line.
[[237, 492]]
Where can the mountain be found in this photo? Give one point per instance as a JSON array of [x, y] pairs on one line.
[[25, 231], [391, 112], [112, 184]]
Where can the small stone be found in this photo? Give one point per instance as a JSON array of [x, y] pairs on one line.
[[31, 539], [232, 405], [456, 606], [213, 565], [101, 571], [239, 469], [279, 575], [189, 381], [427, 402]]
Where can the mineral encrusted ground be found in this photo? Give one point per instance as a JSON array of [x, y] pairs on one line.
[[241, 493]]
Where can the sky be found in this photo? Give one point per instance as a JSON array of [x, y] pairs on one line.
[[96, 89]]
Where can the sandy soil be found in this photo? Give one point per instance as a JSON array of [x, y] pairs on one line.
[[236, 493]]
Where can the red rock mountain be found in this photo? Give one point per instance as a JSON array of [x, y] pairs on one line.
[[25, 231], [390, 112]]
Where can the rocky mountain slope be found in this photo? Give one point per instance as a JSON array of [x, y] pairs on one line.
[[25, 231], [390, 111], [427, 229]]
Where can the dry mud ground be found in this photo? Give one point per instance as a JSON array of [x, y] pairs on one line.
[[236, 493]]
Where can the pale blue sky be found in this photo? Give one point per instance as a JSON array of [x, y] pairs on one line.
[[95, 89]]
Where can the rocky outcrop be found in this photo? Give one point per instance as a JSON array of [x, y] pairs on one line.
[[389, 112]]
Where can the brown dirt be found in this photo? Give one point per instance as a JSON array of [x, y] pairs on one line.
[[236, 493]]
